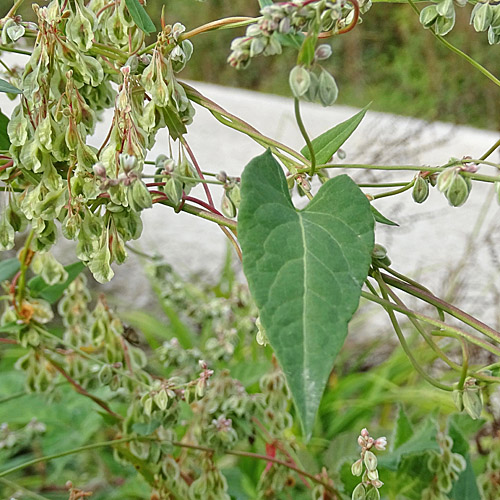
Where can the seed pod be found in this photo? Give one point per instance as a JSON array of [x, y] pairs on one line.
[[161, 400], [322, 52], [299, 81], [481, 16], [227, 206], [420, 189], [458, 192], [328, 90], [105, 375], [370, 461], [445, 178], [359, 493], [173, 189], [473, 403], [444, 25], [445, 8], [357, 468], [458, 399], [428, 16], [372, 493]]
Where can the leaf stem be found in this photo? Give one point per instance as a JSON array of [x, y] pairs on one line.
[[226, 22], [305, 135], [491, 150]]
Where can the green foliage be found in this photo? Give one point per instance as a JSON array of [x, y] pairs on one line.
[[329, 142], [199, 407], [309, 330]]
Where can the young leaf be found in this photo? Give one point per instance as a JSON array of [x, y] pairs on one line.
[[7, 87], [4, 137], [265, 3], [38, 287], [403, 431], [8, 268], [140, 16], [382, 218], [305, 270], [327, 144]]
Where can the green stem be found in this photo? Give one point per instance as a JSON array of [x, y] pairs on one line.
[[448, 308], [239, 124], [13, 9], [14, 50], [305, 135], [18, 487], [381, 185], [204, 214], [491, 150], [414, 168], [457, 51], [408, 280], [446, 329], [465, 364], [402, 340], [87, 447], [227, 22], [395, 191]]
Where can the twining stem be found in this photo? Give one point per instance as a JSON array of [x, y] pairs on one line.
[[491, 150], [402, 340], [199, 212], [226, 22], [408, 280], [305, 135], [13, 10], [239, 124], [205, 449], [198, 169], [469, 59], [445, 306], [81, 390], [406, 187], [445, 328], [439, 352], [414, 168]]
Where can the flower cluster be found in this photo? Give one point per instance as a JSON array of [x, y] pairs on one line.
[[368, 488], [441, 17], [288, 18]]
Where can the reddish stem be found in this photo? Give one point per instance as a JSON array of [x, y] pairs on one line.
[[7, 165], [200, 173], [211, 208]]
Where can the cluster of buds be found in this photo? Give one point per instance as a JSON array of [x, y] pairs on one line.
[[441, 17], [286, 18], [454, 185], [368, 488]]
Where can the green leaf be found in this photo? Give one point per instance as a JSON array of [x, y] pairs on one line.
[[4, 137], [305, 270], [175, 126], [327, 144], [423, 440], [12, 327], [306, 54], [265, 3], [140, 16], [459, 426], [404, 429], [7, 87], [38, 287], [382, 218], [8, 268]]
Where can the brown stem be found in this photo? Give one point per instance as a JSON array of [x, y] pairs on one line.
[[82, 391]]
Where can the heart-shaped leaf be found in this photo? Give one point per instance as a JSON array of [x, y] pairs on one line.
[[329, 142], [305, 269], [4, 136]]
